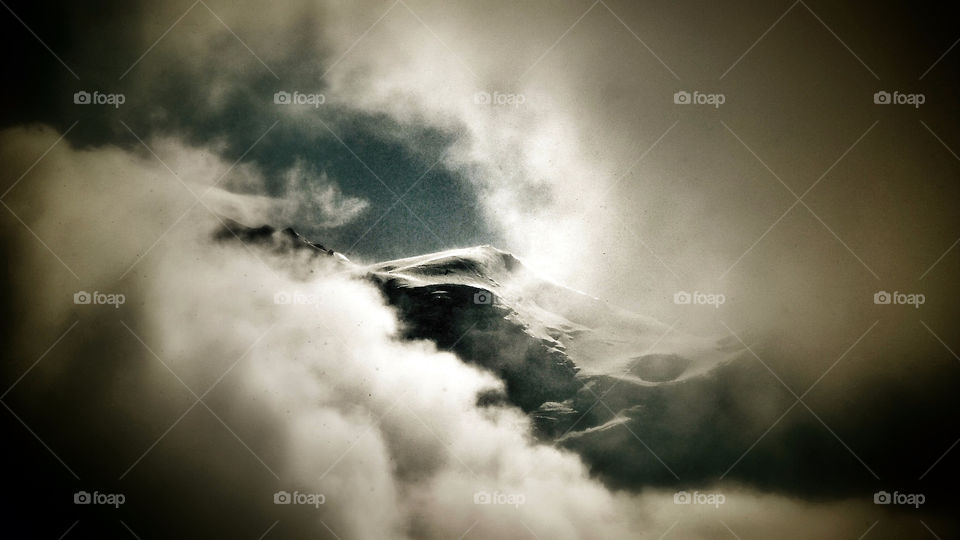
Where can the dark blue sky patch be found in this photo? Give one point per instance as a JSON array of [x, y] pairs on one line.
[[231, 107]]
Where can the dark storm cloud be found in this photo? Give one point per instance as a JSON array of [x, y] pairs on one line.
[[715, 427]]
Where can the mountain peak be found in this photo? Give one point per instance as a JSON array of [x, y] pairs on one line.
[[543, 339], [266, 235]]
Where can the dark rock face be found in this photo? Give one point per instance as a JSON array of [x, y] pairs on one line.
[[266, 236], [455, 317], [462, 318]]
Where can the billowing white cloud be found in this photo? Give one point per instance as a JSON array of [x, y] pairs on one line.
[[389, 431], [328, 384], [321, 391]]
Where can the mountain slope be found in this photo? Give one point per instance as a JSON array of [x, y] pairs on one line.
[[545, 340], [598, 338], [580, 367]]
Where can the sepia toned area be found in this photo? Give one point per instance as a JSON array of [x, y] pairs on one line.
[[536, 269]]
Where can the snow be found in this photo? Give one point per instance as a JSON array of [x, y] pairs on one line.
[[599, 338]]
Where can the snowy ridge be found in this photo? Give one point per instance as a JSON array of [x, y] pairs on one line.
[[599, 338], [555, 348]]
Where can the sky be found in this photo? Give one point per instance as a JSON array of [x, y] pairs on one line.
[[548, 129]]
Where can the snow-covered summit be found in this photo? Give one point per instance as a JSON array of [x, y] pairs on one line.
[[598, 337], [554, 347]]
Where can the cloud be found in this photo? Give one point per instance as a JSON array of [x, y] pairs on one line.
[[317, 201], [317, 396], [309, 201], [551, 177], [323, 393]]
